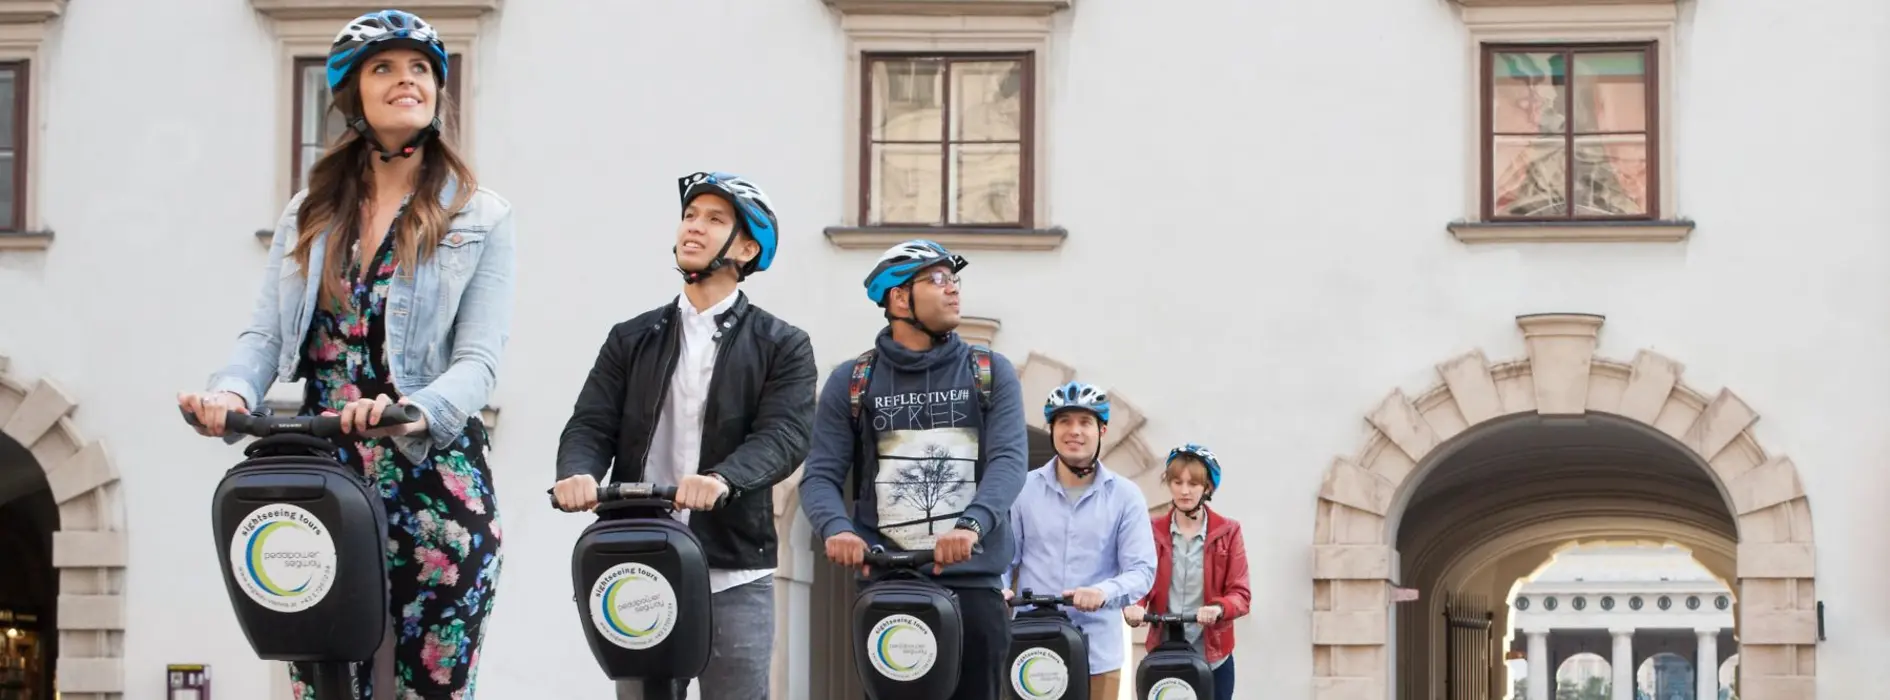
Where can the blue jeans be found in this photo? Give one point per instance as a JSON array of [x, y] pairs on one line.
[[1224, 680], [740, 654]]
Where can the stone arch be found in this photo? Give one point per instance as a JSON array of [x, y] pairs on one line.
[[1361, 499], [89, 548]]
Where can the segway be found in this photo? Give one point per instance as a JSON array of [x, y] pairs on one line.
[[302, 539], [908, 635], [641, 585], [1175, 670], [1049, 657]]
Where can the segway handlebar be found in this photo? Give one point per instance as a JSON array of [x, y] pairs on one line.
[[1171, 617], [315, 426], [629, 491], [879, 556], [1025, 597]]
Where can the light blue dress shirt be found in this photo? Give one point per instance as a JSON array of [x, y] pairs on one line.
[[1099, 539]]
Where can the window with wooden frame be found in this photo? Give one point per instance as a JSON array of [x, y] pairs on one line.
[[1570, 132], [14, 116], [315, 126], [947, 140]]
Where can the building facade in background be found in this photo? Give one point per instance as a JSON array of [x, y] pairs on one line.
[[1448, 284]]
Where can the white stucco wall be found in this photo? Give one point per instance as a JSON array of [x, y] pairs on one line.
[[1263, 329]]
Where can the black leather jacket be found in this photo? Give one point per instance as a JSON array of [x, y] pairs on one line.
[[756, 427]]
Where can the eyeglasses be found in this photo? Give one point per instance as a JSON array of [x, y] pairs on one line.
[[939, 277]]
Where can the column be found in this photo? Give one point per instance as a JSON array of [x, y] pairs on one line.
[[1541, 680], [1706, 664], [1623, 664]]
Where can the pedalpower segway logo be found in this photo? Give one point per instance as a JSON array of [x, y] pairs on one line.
[[1172, 689], [633, 606], [1039, 674], [902, 647], [283, 557]]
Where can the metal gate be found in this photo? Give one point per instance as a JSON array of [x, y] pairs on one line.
[[1467, 648]]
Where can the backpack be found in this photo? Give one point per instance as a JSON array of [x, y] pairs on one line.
[[862, 378]]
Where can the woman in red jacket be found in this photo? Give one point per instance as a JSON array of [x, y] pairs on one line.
[[1201, 564]]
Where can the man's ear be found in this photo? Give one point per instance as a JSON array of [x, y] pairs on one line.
[[746, 248]]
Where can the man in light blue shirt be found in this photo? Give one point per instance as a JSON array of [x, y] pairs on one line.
[[1082, 531]]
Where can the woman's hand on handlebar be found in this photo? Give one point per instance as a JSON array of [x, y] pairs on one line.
[[1208, 614], [575, 493], [360, 415], [211, 409], [1133, 615]]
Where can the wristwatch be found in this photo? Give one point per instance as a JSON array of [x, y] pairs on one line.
[[969, 523]]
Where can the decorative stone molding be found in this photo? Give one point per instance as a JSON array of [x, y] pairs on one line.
[[979, 330], [950, 7], [1776, 585], [1570, 21], [931, 26], [31, 11], [90, 549], [24, 25], [307, 28], [25, 240]]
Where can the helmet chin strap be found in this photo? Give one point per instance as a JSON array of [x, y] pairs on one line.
[[721, 260], [360, 126], [1084, 472], [914, 321], [1195, 512]]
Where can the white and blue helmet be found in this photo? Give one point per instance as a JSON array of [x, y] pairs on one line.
[[751, 204], [901, 263], [1076, 396], [378, 31]]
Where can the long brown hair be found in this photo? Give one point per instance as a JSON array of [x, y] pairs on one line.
[[344, 176]]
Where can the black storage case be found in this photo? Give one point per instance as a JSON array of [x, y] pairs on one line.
[[897, 658], [651, 571], [1174, 662], [292, 484], [1049, 658]]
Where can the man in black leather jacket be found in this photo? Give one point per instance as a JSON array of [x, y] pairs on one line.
[[715, 396]]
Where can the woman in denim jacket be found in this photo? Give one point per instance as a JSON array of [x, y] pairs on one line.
[[391, 279]]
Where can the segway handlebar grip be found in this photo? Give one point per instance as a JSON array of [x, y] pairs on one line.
[[1172, 617], [316, 426], [879, 556], [632, 491], [1025, 597]]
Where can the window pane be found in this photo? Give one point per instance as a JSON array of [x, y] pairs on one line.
[[9, 89], [988, 179], [906, 184], [906, 101], [1610, 92], [6, 189], [1610, 175], [1531, 175], [987, 101], [1528, 93]]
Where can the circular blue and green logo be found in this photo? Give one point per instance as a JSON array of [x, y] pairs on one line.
[[902, 647], [283, 558], [1172, 689], [1039, 674], [633, 606]]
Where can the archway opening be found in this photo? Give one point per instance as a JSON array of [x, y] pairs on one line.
[[29, 586], [1547, 527]]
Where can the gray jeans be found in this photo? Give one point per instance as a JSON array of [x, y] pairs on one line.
[[743, 650]]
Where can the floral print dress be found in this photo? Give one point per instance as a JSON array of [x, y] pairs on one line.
[[443, 527]]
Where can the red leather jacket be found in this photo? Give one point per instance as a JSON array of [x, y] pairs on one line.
[[1224, 583]]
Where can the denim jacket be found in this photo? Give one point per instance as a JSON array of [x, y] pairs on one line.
[[447, 321]]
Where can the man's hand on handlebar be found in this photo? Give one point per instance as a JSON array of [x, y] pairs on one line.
[[360, 415], [699, 492], [951, 548], [211, 409], [1085, 599], [847, 549], [1133, 615], [576, 493]]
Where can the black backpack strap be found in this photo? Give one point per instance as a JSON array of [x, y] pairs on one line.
[[981, 368]]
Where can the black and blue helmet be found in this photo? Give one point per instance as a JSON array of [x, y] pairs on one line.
[[378, 31], [901, 263], [1206, 456], [1076, 396], [751, 204]]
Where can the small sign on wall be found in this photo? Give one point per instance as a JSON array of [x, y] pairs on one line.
[[187, 682]]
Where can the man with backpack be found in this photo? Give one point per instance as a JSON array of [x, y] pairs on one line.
[[923, 437], [713, 395]]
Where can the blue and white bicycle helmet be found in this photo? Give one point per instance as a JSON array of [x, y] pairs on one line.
[[378, 31], [1076, 396], [900, 264], [1205, 455], [751, 205]]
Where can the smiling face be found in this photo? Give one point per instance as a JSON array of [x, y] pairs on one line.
[[1075, 434], [399, 93], [706, 224]]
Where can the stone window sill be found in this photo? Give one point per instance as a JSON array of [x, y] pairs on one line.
[[1571, 231], [25, 240], [949, 7], [882, 237]]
